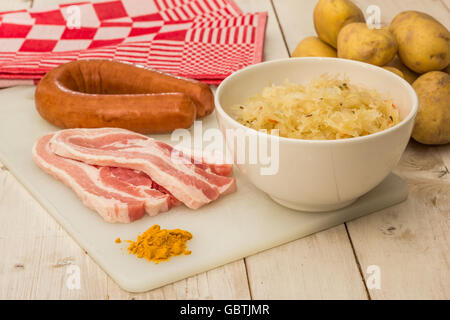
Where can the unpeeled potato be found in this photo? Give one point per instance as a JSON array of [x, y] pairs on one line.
[[376, 46], [433, 118], [408, 74], [424, 43], [330, 16], [396, 71], [313, 47]]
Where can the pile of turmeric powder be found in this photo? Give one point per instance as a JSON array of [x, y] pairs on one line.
[[158, 244]]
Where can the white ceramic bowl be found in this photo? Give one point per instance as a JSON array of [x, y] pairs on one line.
[[318, 175]]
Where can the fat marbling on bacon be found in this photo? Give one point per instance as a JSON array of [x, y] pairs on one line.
[[117, 194], [186, 180], [122, 175]]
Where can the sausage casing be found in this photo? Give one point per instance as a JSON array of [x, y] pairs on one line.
[[106, 93]]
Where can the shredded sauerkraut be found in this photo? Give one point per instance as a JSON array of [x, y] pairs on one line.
[[327, 108]]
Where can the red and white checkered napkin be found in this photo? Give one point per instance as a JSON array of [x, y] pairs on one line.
[[200, 39]]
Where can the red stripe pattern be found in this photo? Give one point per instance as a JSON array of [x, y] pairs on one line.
[[202, 39]]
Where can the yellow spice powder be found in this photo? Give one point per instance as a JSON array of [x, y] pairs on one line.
[[158, 244]]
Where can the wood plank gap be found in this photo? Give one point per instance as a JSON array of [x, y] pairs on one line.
[[281, 28], [248, 280], [363, 279], [445, 5]]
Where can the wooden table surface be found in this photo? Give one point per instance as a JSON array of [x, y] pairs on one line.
[[409, 242]]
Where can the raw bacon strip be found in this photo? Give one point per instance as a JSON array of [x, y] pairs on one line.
[[187, 181], [132, 181], [99, 189], [138, 185], [203, 162], [111, 141]]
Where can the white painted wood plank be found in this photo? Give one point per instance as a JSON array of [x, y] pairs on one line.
[[37, 268], [444, 152], [446, 4], [389, 8], [274, 49], [321, 266], [242, 5], [6, 5], [36, 252], [296, 16], [296, 20], [283, 272], [227, 282], [409, 242], [49, 3], [210, 284]]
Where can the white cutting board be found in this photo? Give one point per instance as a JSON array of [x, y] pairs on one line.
[[231, 228]]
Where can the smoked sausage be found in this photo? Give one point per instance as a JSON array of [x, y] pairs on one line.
[[107, 93]]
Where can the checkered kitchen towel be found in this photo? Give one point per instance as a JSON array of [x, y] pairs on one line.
[[200, 39]]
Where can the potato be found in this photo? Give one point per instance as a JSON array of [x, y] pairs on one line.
[[396, 71], [330, 16], [423, 42], [409, 75], [313, 47], [376, 46], [433, 119]]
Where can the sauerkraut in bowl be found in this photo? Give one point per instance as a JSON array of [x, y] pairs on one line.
[[327, 155], [327, 108]]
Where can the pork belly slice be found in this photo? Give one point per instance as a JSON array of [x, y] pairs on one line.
[[132, 182], [188, 181], [204, 161], [116, 196]]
